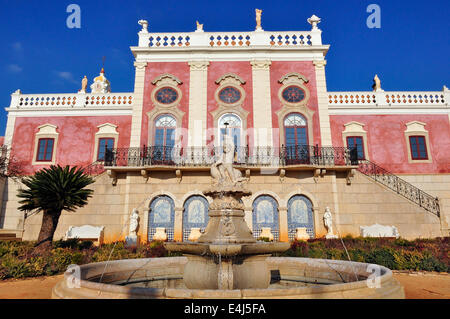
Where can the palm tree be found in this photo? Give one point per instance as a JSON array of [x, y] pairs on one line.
[[52, 190]]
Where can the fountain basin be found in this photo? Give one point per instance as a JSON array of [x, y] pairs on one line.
[[227, 249], [291, 278]]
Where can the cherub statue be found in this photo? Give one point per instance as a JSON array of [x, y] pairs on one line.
[[199, 26], [258, 19]]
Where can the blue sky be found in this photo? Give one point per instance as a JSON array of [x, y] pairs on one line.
[[41, 55]]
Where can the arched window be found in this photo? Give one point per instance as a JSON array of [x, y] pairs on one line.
[[265, 214], [195, 214], [233, 124], [296, 135], [165, 126], [162, 213], [296, 130], [300, 214]]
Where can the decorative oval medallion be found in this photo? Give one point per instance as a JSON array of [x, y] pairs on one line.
[[166, 95]]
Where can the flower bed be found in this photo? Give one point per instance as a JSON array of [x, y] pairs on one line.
[[395, 254], [18, 261]]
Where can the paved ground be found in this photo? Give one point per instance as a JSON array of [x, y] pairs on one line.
[[417, 286]]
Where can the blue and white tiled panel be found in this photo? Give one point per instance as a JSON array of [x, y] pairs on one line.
[[169, 232], [275, 233]]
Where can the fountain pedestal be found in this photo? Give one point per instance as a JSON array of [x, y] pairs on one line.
[[227, 256]]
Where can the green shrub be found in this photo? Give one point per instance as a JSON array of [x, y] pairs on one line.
[[13, 267], [18, 261], [73, 243]]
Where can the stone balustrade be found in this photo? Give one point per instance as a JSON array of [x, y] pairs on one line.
[[230, 39], [74, 100], [382, 98]]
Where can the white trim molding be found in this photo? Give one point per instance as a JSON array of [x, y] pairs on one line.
[[354, 128], [45, 131], [106, 130], [416, 128]]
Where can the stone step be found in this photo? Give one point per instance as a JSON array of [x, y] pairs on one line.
[[9, 239], [7, 235]]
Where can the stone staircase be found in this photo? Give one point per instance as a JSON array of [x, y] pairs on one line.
[[400, 186]]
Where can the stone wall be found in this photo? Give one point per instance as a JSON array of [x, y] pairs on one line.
[[436, 185], [363, 202]]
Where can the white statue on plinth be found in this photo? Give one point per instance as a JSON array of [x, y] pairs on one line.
[[134, 223], [328, 221]]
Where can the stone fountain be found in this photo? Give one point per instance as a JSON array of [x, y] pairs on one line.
[[228, 262], [227, 256]]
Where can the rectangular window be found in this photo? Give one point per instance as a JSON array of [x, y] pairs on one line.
[[103, 144], [418, 148], [356, 141], [45, 150]]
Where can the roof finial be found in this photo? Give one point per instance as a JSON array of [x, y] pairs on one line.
[[144, 24], [199, 27], [314, 21]]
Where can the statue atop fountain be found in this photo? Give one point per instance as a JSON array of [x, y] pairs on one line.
[[222, 171]]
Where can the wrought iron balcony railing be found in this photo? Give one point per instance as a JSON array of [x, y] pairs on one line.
[[244, 156], [268, 157], [400, 186]]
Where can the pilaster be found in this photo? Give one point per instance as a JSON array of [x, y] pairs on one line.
[[138, 102], [322, 98], [197, 103], [284, 237], [178, 224], [262, 106]]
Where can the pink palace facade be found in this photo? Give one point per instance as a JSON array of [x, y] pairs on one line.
[[373, 157]]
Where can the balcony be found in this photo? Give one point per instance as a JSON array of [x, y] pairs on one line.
[[391, 99], [74, 101], [201, 158]]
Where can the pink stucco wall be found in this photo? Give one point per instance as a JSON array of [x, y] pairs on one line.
[[76, 139], [387, 144], [242, 69], [153, 70], [280, 68]]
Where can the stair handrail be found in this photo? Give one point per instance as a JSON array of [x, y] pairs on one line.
[[400, 186]]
